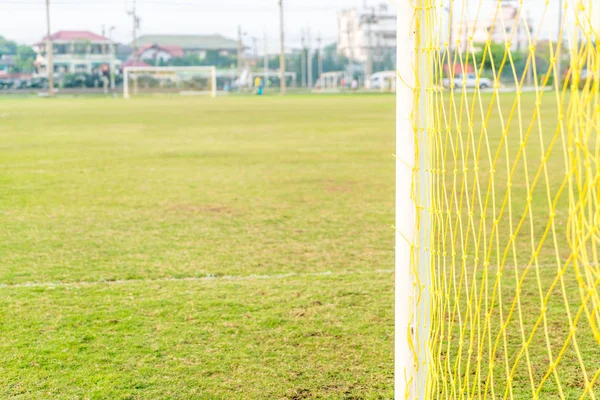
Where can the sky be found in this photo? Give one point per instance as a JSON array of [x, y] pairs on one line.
[[25, 20]]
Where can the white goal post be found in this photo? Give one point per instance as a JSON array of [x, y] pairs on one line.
[[181, 80]]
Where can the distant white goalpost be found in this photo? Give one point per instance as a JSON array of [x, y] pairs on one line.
[[170, 80], [333, 79]]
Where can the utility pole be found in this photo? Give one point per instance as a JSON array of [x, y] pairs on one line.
[[281, 50], [105, 83], [239, 52], [369, 64], [266, 60], [320, 61], [136, 26], [451, 38], [303, 58], [351, 60], [50, 64], [521, 28], [558, 75], [309, 58], [112, 56]]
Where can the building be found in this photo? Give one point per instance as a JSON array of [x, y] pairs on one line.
[[370, 31], [166, 46], [123, 51], [76, 52], [156, 53], [507, 25]]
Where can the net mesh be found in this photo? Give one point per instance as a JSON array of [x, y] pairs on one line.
[[171, 80], [505, 258]]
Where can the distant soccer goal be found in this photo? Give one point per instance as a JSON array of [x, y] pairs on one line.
[[169, 80], [333, 80]]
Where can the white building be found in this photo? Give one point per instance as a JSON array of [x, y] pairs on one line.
[[507, 25], [371, 28], [76, 51]]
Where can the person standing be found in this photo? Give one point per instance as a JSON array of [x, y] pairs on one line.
[[259, 84]]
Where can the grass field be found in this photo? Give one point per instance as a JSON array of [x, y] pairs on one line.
[[195, 248], [242, 247]]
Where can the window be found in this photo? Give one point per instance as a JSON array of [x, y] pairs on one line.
[[60, 48], [96, 49], [80, 48]]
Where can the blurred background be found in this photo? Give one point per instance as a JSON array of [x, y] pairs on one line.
[[326, 44]]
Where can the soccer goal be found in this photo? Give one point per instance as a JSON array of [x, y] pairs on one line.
[[333, 79], [497, 278], [169, 80]]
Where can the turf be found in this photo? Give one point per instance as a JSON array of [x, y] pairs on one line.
[[132, 205], [242, 247]]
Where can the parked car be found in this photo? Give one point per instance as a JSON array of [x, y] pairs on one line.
[[6, 83], [470, 82]]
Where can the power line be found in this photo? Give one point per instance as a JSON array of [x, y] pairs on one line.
[[281, 50]]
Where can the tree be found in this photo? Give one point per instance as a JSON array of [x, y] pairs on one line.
[[7, 47], [332, 61], [493, 56], [24, 59]]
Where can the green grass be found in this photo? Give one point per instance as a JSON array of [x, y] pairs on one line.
[[100, 191], [242, 247], [486, 272]]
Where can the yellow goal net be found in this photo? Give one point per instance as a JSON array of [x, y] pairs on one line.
[[498, 190]]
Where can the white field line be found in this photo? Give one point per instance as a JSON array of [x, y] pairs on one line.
[[208, 277], [38, 163], [216, 278]]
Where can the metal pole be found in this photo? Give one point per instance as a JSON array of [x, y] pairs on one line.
[[369, 64], [303, 59], [450, 40], [308, 59], [351, 45], [320, 61], [558, 75], [112, 56], [281, 50], [105, 83], [405, 205], [49, 52], [136, 23], [213, 81], [266, 61], [126, 83], [239, 52]]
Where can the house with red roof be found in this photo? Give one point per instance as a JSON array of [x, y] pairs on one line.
[[156, 53], [180, 45], [76, 51]]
